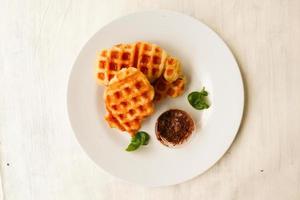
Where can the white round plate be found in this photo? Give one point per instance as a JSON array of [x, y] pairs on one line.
[[206, 60]]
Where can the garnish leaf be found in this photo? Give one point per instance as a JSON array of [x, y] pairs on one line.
[[140, 138], [144, 137], [199, 99]]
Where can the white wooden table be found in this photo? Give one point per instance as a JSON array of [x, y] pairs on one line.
[[40, 158]]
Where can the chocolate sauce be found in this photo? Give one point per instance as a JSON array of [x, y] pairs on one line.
[[173, 127]]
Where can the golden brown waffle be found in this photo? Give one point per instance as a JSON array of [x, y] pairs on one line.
[[129, 99], [151, 60], [163, 88], [172, 69], [148, 58], [110, 61]]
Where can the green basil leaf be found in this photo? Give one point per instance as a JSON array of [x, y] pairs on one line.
[[140, 138], [198, 99], [144, 137], [134, 144], [132, 147], [201, 106]]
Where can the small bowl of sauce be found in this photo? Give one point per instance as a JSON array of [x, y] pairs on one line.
[[174, 127]]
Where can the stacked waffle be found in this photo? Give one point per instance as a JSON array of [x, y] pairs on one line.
[[135, 75]]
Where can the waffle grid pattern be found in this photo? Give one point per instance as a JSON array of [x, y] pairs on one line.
[[129, 99]]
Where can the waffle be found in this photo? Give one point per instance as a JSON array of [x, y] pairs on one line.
[[172, 69], [129, 99], [174, 89], [148, 58], [110, 61]]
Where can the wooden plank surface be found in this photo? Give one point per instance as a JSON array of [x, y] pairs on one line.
[[40, 157]]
